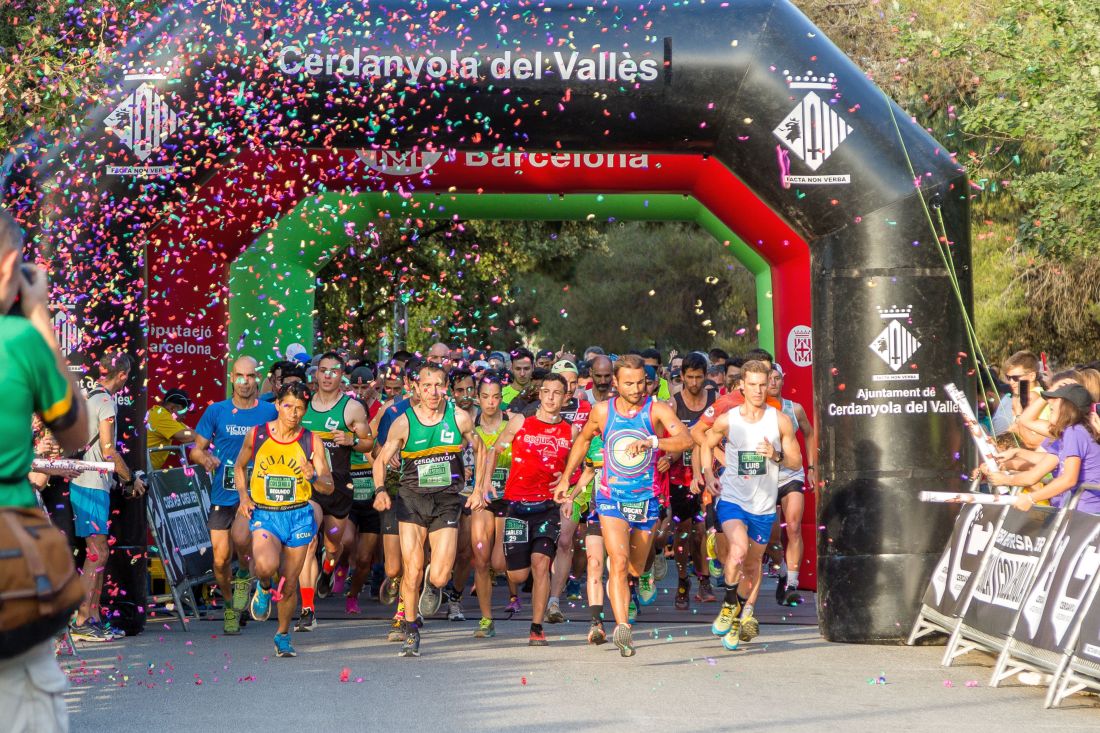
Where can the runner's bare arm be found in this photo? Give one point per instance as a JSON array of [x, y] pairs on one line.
[[322, 474], [240, 477], [810, 438], [677, 437], [355, 416], [465, 425], [712, 439], [593, 427], [201, 455], [399, 432], [792, 454]]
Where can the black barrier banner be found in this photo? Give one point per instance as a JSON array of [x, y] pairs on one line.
[[179, 502], [1013, 563], [963, 556], [1061, 588]]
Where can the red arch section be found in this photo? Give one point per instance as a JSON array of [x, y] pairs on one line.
[[190, 252]]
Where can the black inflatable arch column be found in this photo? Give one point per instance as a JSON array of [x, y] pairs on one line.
[[752, 82]]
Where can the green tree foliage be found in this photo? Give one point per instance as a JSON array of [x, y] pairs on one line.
[[670, 285]]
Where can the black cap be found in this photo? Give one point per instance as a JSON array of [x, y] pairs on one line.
[[179, 397], [1074, 393], [361, 375]]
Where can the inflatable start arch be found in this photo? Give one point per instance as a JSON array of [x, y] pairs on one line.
[[185, 218]]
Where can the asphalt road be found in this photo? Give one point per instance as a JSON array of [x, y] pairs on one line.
[[347, 677]]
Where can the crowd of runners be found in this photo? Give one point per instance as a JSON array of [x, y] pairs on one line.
[[432, 477]]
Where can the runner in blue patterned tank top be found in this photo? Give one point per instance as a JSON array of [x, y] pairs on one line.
[[629, 424]]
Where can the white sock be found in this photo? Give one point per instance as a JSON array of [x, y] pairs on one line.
[[782, 568], [553, 601], [746, 610], [792, 579]]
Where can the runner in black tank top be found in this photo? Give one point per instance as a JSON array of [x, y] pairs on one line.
[[686, 507]]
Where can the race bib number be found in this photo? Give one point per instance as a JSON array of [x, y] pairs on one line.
[[515, 531], [434, 475], [362, 486], [500, 477], [751, 463], [635, 511], [279, 489], [228, 481], [686, 458]]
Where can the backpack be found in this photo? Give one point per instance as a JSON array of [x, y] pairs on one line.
[[39, 585]]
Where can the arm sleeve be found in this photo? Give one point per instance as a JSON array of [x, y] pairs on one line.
[[52, 391]]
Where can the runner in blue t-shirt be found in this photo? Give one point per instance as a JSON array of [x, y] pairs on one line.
[[225, 425]]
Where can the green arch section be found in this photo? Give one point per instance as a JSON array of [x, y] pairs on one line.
[[272, 283]]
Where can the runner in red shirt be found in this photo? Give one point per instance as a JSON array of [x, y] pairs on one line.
[[532, 522]]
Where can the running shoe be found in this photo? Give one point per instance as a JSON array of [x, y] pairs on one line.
[[781, 590], [307, 621], [240, 593], [231, 622], [397, 631], [660, 567], [624, 639], [431, 598], [411, 647], [351, 605], [485, 629], [596, 634], [390, 591], [537, 638], [573, 589], [87, 632], [554, 614], [283, 647], [647, 589], [726, 617], [683, 600], [514, 605], [260, 608], [732, 637], [632, 609], [712, 545], [792, 598], [324, 584], [339, 581], [705, 594], [105, 627], [750, 628], [454, 610]]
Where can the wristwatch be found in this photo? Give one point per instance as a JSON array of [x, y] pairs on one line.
[[778, 457]]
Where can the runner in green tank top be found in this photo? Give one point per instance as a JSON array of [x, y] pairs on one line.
[[430, 437], [342, 425]]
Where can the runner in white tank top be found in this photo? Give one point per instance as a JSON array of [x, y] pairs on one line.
[[760, 440]]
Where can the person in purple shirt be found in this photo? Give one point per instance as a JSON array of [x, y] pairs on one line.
[[1072, 455]]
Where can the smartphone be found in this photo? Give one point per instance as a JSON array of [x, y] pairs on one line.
[[1025, 392]]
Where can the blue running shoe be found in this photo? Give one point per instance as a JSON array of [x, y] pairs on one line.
[[261, 603], [283, 647]]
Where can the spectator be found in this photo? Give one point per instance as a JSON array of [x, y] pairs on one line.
[[91, 493], [1023, 368], [1072, 455], [32, 685], [163, 427]]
